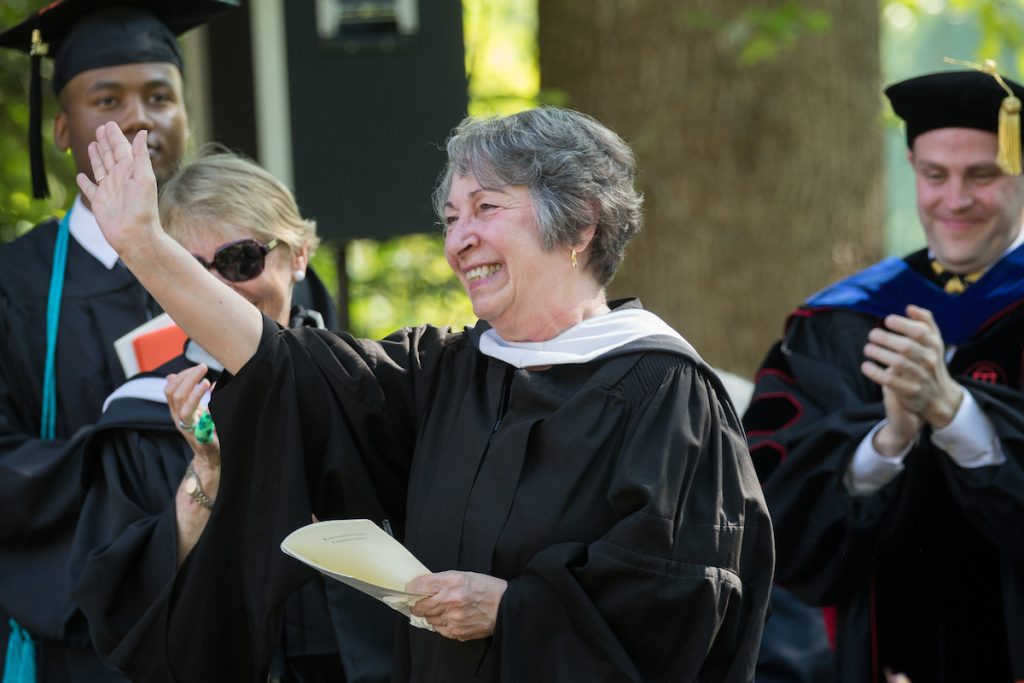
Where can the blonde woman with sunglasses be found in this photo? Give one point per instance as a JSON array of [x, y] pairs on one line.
[[152, 466]]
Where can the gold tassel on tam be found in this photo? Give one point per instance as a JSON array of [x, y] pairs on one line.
[[1008, 156]]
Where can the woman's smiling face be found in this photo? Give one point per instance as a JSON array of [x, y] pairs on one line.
[[494, 247]]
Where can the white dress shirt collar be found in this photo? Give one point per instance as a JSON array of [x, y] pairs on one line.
[[86, 231]]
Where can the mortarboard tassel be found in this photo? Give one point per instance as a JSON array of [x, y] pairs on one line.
[[20, 664], [1008, 156], [39, 49]]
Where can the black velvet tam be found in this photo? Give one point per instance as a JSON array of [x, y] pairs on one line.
[[949, 99]]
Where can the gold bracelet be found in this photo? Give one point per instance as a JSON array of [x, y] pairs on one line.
[[194, 487]]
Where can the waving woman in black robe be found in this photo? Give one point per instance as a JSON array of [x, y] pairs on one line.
[[570, 470]]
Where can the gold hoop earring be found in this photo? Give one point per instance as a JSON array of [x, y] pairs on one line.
[[574, 259]]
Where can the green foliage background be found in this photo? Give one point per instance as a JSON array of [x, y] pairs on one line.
[[18, 210]]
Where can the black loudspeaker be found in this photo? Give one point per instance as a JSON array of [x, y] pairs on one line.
[[375, 86]]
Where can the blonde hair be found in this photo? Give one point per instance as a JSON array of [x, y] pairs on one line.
[[220, 192]]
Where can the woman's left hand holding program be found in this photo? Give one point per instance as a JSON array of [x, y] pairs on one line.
[[459, 605], [123, 198]]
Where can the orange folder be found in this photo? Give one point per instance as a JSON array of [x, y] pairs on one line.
[[153, 349], [150, 345]]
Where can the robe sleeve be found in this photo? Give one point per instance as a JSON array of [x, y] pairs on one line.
[[678, 587], [314, 423], [38, 478], [38, 482], [993, 497], [123, 557], [811, 408]]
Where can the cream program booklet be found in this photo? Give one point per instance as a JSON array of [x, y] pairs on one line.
[[360, 554]]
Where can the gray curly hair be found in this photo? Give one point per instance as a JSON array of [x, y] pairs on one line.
[[578, 172]]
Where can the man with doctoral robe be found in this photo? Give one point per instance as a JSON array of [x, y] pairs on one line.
[[887, 425]]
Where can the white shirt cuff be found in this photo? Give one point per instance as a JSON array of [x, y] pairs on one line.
[[870, 470], [970, 439]]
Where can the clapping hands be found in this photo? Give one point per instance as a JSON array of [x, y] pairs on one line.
[[906, 358]]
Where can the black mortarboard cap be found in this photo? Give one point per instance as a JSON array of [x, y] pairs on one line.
[[961, 99], [90, 34]]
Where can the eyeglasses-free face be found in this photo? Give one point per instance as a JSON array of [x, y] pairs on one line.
[[240, 260]]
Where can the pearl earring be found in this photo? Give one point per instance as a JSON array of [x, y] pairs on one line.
[[299, 275]]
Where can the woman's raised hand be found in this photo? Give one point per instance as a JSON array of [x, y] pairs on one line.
[[123, 198]]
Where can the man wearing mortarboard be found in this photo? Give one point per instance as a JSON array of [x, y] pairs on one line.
[[888, 424], [63, 302]]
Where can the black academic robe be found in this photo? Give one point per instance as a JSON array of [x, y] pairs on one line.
[[794, 646], [123, 560], [616, 497], [926, 574], [39, 479]]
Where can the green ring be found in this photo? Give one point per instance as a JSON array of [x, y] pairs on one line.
[[204, 428]]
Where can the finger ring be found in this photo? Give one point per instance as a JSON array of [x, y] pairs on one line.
[[100, 179], [185, 426]]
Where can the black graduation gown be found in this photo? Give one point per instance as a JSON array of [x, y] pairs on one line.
[[123, 559], [927, 573], [39, 479], [794, 646], [616, 498]]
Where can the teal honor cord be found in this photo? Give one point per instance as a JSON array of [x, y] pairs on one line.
[[20, 665], [48, 426]]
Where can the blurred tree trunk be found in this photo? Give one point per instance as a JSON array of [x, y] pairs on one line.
[[762, 181]]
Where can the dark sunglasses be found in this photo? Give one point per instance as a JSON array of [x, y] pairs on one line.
[[239, 261]]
